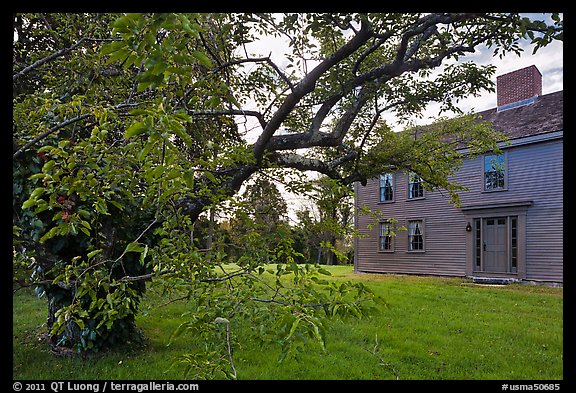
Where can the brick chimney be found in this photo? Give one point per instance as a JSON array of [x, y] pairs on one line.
[[520, 87]]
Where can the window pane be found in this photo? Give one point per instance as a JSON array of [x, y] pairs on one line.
[[493, 163], [478, 242], [514, 242], [386, 187], [493, 172], [415, 235], [385, 238], [415, 189]]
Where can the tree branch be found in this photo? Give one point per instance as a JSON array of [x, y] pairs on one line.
[[226, 277], [306, 85], [258, 60], [146, 276], [65, 123], [48, 132], [54, 55], [231, 112], [296, 161]]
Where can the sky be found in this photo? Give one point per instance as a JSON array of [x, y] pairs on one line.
[[549, 61]]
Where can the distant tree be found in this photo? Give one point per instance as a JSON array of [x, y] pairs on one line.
[[326, 226], [260, 221]]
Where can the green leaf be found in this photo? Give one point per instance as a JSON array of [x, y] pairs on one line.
[[319, 281], [144, 152], [318, 336], [233, 100], [335, 309], [50, 234], [120, 54], [93, 253], [138, 112], [100, 206], [28, 203], [143, 255], [135, 129], [79, 322], [324, 272], [202, 58], [181, 131], [37, 192], [210, 177], [293, 327], [178, 332], [48, 166], [187, 27], [189, 178], [36, 176], [112, 47], [134, 247], [118, 205]]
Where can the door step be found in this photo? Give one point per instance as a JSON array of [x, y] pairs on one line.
[[494, 280]]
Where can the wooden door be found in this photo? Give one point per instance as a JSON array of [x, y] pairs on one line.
[[495, 250]]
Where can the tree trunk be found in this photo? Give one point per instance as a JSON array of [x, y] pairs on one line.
[[329, 257], [58, 298], [210, 237]]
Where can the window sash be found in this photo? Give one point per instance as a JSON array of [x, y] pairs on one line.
[[385, 243], [415, 235], [514, 243], [415, 188], [494, 172], [386, 187]]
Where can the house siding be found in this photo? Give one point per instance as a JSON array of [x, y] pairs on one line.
[[534, 174]]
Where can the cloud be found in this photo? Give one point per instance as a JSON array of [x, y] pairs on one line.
[[549, 60]]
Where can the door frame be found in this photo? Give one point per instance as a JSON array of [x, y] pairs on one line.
[[516, 209]]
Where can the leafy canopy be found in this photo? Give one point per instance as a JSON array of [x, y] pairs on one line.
[[128, 127]]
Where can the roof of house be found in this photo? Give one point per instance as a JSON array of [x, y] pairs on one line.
[[544, 115]]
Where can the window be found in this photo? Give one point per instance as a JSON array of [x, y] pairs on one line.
[[514, 244], [494, 172], [385, 238], [386, 187], [415, 188], [477, 243], [415, 235]]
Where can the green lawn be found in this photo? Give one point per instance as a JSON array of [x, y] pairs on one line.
[[428, 329]]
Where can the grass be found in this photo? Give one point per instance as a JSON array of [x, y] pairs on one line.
[[429, 328]]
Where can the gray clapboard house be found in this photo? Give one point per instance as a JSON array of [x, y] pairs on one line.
[[510, 222]]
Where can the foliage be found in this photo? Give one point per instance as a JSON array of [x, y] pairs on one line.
[[259, 224], [285, 304], [128, 127], [84, 239], [326, 228]]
